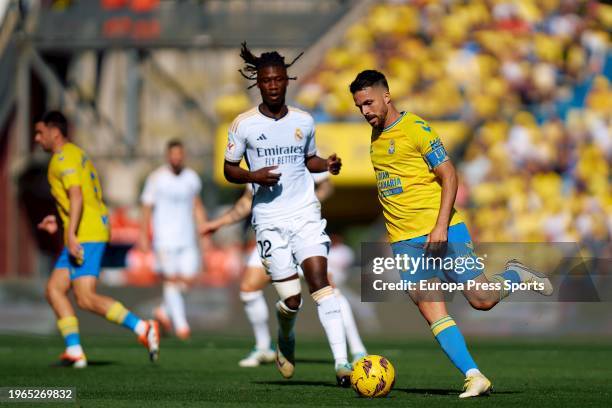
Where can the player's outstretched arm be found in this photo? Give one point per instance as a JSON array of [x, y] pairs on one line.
[[265, 176], [316, 164], [238, 212]]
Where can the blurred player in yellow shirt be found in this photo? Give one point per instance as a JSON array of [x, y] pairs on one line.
[[75, 186], [417, 185]]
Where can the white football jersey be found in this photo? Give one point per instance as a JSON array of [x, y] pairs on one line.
[[172, 197], [285, 143]]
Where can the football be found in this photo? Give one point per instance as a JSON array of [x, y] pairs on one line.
[[373, 376]]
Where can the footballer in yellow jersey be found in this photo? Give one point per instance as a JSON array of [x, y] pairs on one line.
[[76, 188], [403, 155], [417, 185], [71, 167]]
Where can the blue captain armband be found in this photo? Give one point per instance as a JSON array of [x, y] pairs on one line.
[[436, 156]]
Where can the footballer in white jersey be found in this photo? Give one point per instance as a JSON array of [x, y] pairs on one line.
[[278, 144], [286, 215], [171, 198]]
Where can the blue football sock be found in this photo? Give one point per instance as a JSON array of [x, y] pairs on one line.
[[503, 278], [511, 276], [120, 315], [69, 327], [452, 342]]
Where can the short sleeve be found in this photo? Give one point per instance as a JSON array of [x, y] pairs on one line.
[[311, 144], [429, 144], [148, 193], [197, 184], [236, 145], [69, 168]]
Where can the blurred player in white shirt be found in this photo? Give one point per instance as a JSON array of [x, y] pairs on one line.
[[171, 198], [255, 279]]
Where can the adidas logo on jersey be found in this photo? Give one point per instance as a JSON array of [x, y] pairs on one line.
[[262, 137]]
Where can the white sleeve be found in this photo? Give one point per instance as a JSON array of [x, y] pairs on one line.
[[311, 145], [319, 177], [148, 192], [236, 145], [197, 184]]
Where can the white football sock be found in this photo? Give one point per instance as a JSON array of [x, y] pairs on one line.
[[330, 316], [173, 299], [256, 310], [472, 371], [352, 333], [75, 350], [141, 328]]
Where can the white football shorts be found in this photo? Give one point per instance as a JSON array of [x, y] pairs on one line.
[[178, 262], [284, 245]]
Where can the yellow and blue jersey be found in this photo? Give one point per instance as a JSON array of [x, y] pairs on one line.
[[404, 155], [71, 167]]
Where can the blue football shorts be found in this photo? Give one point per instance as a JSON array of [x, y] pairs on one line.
[[92, 260], [457, 263]]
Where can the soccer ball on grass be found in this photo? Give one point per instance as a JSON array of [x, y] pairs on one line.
[[373, 376]]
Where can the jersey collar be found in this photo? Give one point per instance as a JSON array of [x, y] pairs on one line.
[[270, 117], [402, 114]]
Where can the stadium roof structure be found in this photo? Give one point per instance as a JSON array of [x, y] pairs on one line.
[[184, 24]]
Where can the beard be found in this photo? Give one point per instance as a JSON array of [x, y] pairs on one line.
[[176, 169], [376, 121]]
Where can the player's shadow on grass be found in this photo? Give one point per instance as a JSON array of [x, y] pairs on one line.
[[294, 383], [438, 391]]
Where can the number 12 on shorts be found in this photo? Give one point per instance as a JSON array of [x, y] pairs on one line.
[[264, 248]]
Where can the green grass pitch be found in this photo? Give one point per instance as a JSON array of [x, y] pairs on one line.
[[204, 372]]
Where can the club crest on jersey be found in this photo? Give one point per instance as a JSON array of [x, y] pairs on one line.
[[391, 146], [298, 134]]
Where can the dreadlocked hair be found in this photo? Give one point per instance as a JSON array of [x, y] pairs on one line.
[[267, 59]]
